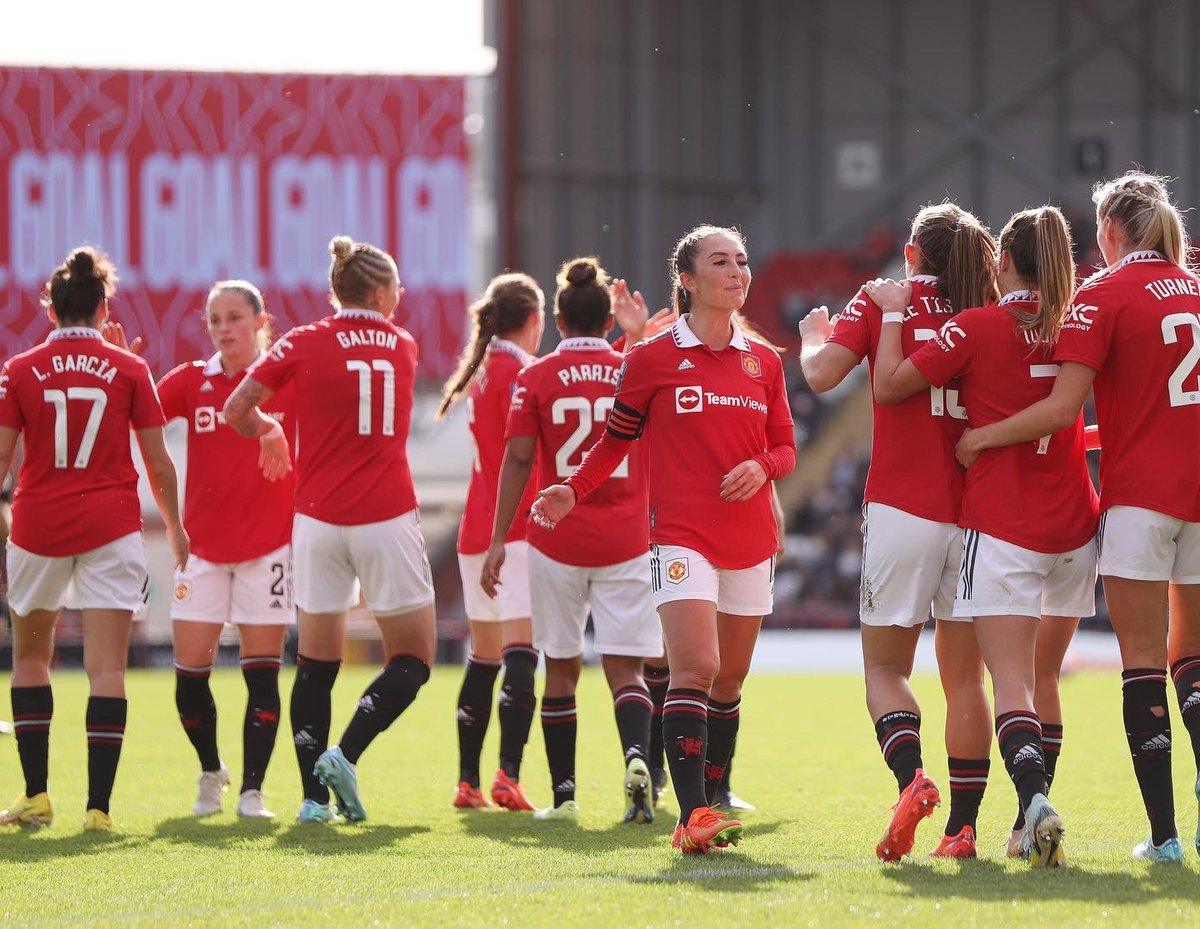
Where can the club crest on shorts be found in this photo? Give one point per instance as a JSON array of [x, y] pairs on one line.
[[677, 570], [751, 365], [183, 592]]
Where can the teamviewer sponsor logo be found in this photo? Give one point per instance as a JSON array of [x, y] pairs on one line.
[[689, 400]]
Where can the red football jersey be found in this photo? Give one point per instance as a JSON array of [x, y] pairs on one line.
[[353, 374], [564, 400], [707, 412], [231, 512], [488, 400], [1139, 328], [913, 467], [1037, 495], [76, 397]]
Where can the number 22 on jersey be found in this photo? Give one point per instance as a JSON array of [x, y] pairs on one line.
[[588, 413]]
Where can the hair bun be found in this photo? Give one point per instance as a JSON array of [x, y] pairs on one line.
[[82, 264], [342, 247], [582, 271]]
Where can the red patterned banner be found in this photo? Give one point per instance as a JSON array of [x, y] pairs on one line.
[[187, 178]]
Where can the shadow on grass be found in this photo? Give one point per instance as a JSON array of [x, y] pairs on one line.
[[995, 881], [208, 833], [27, 846], [343, 839], [729, 871], [523, 831]]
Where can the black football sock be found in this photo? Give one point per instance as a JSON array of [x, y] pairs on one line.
[[198, 713], [658, 680], [1186, 674], [632, 708], [32, 709], [261, 723], [685, 739], [390, 694], [968, 781], [1148, 729], [559, 728], [1051, 748], [474, 713], [1019, 736], [310, 712], [723, 722], [723, 789], [105, 735], [899, 735], [516, 706]]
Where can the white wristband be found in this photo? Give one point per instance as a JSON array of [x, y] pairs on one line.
[[893, 317], [275, 432]]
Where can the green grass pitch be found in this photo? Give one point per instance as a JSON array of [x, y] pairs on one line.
[[807, 758]]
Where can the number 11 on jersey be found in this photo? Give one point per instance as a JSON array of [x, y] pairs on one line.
[[364, 371]]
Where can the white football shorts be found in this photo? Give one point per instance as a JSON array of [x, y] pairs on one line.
[[618, 596], [678, 573], [249, 593], [387, 558], [1145, 545], [910, 567], [512, 596], [1002, 579], [111, 577]]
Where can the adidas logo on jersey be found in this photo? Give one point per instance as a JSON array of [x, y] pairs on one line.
[[1027, 755], [685, 365], [206, 387], [1160, 743], [304, 739]]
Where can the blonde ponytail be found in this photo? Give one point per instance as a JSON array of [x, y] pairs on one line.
[[1141, 204]]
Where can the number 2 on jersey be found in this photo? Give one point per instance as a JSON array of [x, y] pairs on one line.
[[588, 414], [364, 371], [59, 398], [1180, 395]]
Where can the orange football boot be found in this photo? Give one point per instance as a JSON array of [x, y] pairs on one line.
[[509, 794], [956, 846], [709, 828], [470, 798], [916, 801]]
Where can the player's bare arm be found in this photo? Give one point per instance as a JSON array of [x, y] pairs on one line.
[[1056, 412], [243, 414], [8, 445], [825, 364], [514, 478], [896, 378], [160, 470]]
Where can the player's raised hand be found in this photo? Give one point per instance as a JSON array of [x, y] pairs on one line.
[[661, 321], [890, 296], [743, 482], [629, 310], [114, 332], [273, 454], [816, 326], [489, 575], [552, 505]]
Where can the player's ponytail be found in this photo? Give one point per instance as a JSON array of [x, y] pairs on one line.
[[583, 301], [79, 285], [503, 309], [1038, 242], [959, 250], [1141, 204]]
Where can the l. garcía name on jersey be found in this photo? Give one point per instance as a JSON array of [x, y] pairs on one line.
[[693, 400]]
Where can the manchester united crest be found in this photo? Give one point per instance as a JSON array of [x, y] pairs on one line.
[[751, 365], [183, 592], [677, 570]]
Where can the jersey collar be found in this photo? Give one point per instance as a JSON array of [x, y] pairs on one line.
[[1023, 296], [359, 313], [76, 332], [581, 343], [930, 279], [510, 348], [685, 338], [214, 366], [1148, 254]]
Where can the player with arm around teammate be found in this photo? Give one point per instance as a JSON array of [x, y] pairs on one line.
[[1029, 511], [508, 323], [1133, 335], [713, 404], [599, 559], [912, 545], [240, 567], [77, 523], [356, 522]]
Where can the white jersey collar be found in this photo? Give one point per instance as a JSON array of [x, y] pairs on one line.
[[76, 332], [1023, 296], [351, 312], [685, 338], [582, 343], [930, 279], [214, 366], [1148, 254], [510, 348]]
